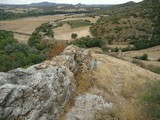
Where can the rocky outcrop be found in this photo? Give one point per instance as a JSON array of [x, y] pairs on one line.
[[86, 106], [41, 92]]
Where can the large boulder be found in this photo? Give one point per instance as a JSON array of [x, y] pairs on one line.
[[41, 92]]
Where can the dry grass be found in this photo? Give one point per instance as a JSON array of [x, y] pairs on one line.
[[56, 50], [153, 56], [21, 38], [84, 81], [121, 77], [119, 82], [68, 107], [130, 111], [122, 83], [153, 53], [105, 115], [65, 32]]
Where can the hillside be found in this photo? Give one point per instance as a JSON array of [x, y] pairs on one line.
[[78, 84], [130, 24]]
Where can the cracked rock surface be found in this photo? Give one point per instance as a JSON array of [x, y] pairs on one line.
[[41, 91]]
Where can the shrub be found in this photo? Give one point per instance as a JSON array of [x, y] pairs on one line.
[[15, 55], [144, 56], [36, 39], [118, 29], [87, 42], [6, 38], [110, 39], [74, 35]]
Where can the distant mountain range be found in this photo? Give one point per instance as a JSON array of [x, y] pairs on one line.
[[49, 4], [45, 4]]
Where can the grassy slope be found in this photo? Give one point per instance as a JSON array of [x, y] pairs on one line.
[[122, 83]]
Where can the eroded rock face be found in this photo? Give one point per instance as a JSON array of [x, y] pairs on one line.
[[40, 92], [86, 106]]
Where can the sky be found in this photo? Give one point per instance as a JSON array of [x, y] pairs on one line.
[[68, 1]]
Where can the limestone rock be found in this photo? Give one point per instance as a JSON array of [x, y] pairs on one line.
[[41, 91], [86, 106]]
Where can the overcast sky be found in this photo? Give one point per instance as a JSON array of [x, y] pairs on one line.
[[67, 1]]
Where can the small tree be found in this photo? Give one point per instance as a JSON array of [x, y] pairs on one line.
[[74, 35], [144, 56]]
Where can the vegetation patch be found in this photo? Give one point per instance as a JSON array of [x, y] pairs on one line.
[[136, 24], [87, 42], [143, 57], [14, 55], [44, 11], [78, 23], [37, 40], [151, 101]]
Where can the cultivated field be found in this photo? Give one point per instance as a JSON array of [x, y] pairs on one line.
[[21, 38], [26, 25], [64, 32]]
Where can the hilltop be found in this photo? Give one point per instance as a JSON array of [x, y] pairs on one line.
[[69, 84]]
